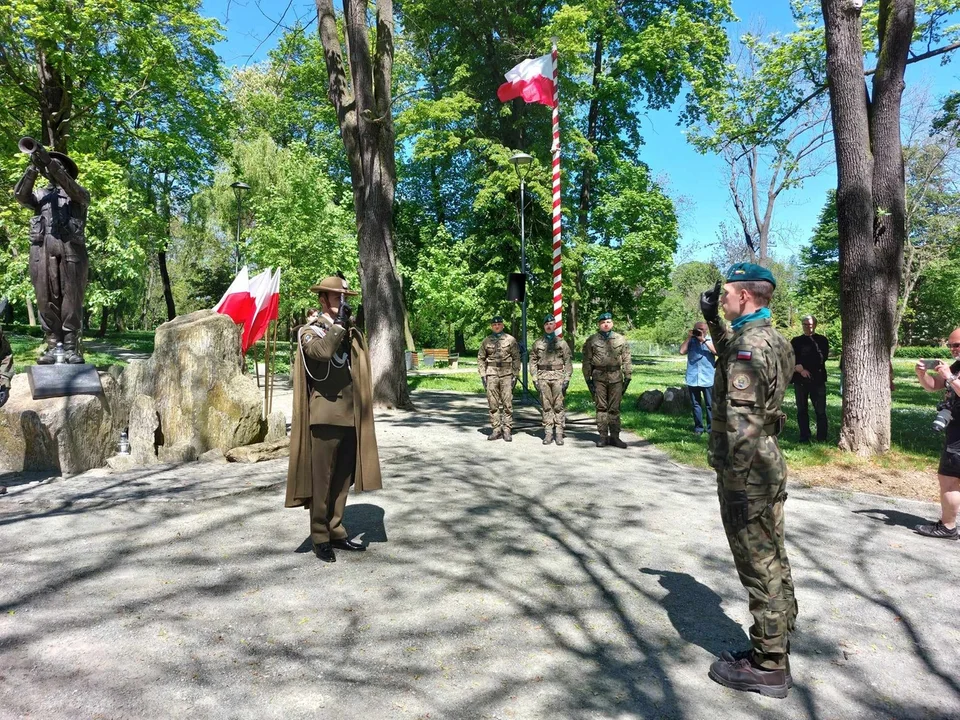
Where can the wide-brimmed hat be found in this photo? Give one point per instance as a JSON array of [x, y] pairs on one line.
[[68, 164], [333, 284]]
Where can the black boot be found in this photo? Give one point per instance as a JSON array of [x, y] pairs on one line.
[[728, 656], [49, 356], [743, 675], [71, 350], [615, 439], [324, 551], [603, 441]]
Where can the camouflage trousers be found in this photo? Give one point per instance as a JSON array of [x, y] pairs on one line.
[[551, 398], [500, 401], [607, 399], [761, 560]]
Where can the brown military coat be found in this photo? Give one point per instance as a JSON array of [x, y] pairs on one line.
[[754, 367], [6, 361], [607, 359], [321, 401], [499, 356]]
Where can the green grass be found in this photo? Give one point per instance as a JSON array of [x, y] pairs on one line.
[[914, 444], [26, 349]]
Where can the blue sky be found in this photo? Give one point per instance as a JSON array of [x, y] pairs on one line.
[[699, 179]]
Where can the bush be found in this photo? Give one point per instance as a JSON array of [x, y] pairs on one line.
[[929, 352]]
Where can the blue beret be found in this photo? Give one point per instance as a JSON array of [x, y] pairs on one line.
[[496, 319], [605, 316], [548, 318], [750, 272]]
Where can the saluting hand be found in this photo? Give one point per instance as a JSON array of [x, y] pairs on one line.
[[710, 302]]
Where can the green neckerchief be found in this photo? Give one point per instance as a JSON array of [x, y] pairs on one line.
[[549, 337], [606, 335], [497, 335], [761, 314]]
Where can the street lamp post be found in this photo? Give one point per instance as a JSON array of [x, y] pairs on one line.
[[521, 162], [238, 190]]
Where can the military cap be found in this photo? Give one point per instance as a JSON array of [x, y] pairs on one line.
[[496, 319], [548, 318], [605, 316], [750, 272], [333, 284]]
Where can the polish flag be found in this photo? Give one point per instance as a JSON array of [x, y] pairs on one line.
[[266, 312], [236, 301], [532, 80], [259, 295]]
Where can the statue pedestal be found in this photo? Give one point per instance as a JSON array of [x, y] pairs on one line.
[[50, 381]]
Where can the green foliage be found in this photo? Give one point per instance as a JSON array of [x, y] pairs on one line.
[[818, 287], [924, 351]]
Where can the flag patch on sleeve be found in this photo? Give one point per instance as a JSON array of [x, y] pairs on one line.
[[744, 355]]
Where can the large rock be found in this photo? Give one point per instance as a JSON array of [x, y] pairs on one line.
[[676, 401], [67, 435], [260, 451], [201, 399], [650, 400]]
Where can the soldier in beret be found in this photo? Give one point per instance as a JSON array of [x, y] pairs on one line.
[[332, 439], [607, 368], [498, 363], [754, 367], [551, 368]]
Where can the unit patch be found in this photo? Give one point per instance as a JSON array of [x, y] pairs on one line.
[[741, 382]]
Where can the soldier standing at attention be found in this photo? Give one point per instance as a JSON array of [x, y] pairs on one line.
[[607, 368], [754, 367], [499, 365], [333, 444], [551, 368]]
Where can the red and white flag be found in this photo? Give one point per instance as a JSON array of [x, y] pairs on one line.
[[236, 301], [532, 80], [259, 294], [266, 312]]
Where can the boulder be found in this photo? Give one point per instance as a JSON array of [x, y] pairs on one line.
[[201, 398], [213, 456], [142, 429], [276, 426], [650, 400], [260, 451], [67, 435], [676, 401]]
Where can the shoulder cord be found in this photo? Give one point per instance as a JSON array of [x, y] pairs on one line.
[[333, 362]]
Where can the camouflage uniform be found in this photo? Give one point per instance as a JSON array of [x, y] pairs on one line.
[[499, 362], [607, 363], [6, 361], [754, 367], [551, 368]]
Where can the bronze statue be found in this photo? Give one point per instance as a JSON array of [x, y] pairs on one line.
[[58, 252]]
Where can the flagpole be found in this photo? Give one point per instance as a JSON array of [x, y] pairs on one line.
[[557, 211]]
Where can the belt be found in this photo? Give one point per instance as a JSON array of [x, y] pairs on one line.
[[606, 367], [500, 364], [720, 426], [549, 367]]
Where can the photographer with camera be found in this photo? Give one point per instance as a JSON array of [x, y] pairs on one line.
[[701, 361], [947, 421]]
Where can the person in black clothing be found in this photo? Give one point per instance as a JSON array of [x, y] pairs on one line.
[[810, 378]]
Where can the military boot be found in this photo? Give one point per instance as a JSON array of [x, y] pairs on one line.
[[547, 435], [743, 675], [507, 436], [495, 435], [558, 438], [71, 349], [728, 656], [49, 355], [615, 439], [603, 441]]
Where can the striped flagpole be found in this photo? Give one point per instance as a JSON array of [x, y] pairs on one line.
[[557, 215]]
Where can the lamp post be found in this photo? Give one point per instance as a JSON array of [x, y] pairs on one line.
[[521, 164], [238, 190]]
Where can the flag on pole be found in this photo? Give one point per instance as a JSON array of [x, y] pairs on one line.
[[236, 301], [259, 294], [536, 81], [533, 80], [268, 311]]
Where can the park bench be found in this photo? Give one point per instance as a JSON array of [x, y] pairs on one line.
[[433, 356]]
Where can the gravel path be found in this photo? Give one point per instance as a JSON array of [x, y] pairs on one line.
[[502, 581]]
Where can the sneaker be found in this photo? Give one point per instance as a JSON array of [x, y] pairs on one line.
[[937, 530]]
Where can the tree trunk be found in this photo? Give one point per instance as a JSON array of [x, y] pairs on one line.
[[365, 118], [104, 322], [164, 243], [869, 176], [165, 277]]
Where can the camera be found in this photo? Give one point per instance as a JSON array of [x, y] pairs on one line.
[[697, 333], [943, 417]]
